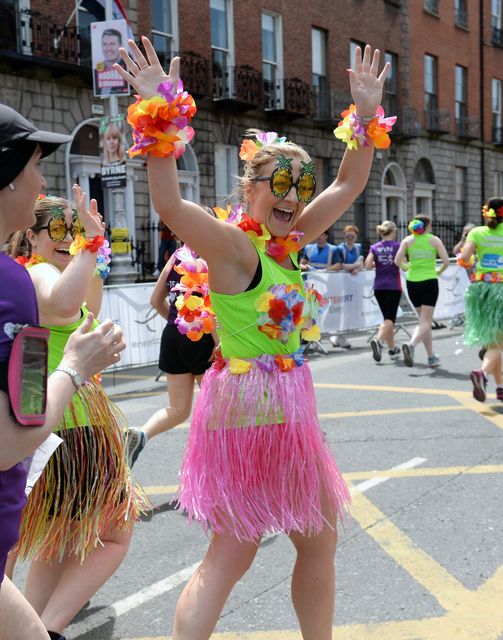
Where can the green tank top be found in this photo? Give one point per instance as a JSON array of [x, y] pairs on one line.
[[239, 315], [489, 243], [422, 257], [75, 414]]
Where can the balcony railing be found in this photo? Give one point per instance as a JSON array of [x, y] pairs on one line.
[[407, 124], [498, 136], [195, 71], [241, 84], [292, 95], [468, 128], [437, 121], [497, 37], [461, 18], [431, 6], [31, 33]]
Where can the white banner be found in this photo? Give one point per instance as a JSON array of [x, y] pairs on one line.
[[129, 307]]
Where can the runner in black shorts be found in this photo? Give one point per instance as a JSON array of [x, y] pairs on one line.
[[182, 360]]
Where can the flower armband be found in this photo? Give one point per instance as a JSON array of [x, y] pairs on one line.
[[462, 263], [358, 132], [103, 260], [161, 123], [86, 244]]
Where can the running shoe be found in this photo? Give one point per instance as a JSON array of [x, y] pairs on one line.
[[394, 353], [499, 393], [479, 382], [433, 361], [408, 354], [134, 445], [376, 349]]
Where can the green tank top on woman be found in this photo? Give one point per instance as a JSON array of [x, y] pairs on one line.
[[489, 244], [422, 259], [238, 315]]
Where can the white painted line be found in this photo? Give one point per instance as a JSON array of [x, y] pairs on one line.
[[131, 602], [373, 482]]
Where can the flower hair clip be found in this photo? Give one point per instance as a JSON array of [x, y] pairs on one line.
[[249, 147], [491, 213], [416, 227]]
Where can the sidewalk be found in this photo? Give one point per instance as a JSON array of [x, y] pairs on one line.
[[133, 380]]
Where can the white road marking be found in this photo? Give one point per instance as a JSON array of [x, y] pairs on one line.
[[131, 602], [368, 484], [171, 582]]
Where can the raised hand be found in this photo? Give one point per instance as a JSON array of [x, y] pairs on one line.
[[145, 74], [91, 218], [366, 85]]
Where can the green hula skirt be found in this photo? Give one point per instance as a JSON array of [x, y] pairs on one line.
[[484, 314]]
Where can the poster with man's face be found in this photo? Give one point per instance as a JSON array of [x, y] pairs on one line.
[[106, 38]]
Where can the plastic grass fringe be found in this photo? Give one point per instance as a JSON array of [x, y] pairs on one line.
[[484, 314], [86, 488], [256, 460]]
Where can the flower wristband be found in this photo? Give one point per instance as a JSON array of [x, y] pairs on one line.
[[462, 263], [357, 131], [86, 244], [160, 124]]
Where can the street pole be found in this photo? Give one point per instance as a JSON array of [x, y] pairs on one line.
[[121, 270]]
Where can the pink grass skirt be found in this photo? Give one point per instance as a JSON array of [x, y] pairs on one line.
[[256, 460]]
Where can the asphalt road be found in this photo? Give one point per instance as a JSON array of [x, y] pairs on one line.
[[421, 557]]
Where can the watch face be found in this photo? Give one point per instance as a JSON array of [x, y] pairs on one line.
[[77, 379]]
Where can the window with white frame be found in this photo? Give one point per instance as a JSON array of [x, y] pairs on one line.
[[222, 39], [390, 93], [319, 71], [430, 90], [496, 97], [460, 195], [272, 59], [226, 172], [460, 108], [164, 15]]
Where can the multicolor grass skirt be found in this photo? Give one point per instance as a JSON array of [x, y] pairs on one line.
[[86, 487], [256, 460], [484, 314]]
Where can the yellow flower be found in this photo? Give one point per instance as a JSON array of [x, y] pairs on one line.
[[193, 302], [237, 366], [262, 303]]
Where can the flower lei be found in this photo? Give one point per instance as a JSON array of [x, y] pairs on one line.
[[416, 227], [277, 248], [195, 316], [491, 277], [249, 147], [358, 132], [31, 261], [160, 124]]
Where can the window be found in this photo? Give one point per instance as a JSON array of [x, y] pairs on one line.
[[390, 97], [430, 88], [352, 48], [460, 109], [496, 112], [272, 52], [460, 195], [164, 27], [498, 182], [221, 43], [320, 81], [431, 6], [460, 13], [226, 171], [496, 14]]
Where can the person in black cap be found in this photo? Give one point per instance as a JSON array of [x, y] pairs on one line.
[[22, 146]]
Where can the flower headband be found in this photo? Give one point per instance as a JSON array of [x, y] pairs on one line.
[[416, 227], [250, 147], [491, 213]]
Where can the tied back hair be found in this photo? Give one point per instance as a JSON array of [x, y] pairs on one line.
[[497, 205], [385, 228], [19, 245]]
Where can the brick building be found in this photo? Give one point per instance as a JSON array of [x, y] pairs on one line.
[[280, 65]]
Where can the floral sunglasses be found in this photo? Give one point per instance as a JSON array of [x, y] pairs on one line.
[[281, 180], [57, 228]]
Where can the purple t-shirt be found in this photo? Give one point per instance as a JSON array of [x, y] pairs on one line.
[[18, 305], [387, 273], [173, 278]]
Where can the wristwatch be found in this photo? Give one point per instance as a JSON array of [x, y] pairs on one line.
[[74, 375]]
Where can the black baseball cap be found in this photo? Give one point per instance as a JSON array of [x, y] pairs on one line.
[[18, 140]]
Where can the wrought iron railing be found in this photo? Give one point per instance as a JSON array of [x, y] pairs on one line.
[[437, 121], [448, 232], [461, 17], [407, 124], [195, 71], [292, 95], [241, 84], [468, 128], [497, 37], [498, 136]]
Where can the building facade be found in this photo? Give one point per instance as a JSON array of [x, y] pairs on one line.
[[279, 65]]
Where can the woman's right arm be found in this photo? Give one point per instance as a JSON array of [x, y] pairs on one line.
[[159, 294], [400, 258], [87, 353], [369, 261]]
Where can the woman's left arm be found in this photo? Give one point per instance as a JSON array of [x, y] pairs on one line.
[[94, 296], [468, 251], [366, 89], [442, 254], [369, 261]]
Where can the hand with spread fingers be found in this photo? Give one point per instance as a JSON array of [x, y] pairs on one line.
[[91, 218], [145, 74], [366, 85]]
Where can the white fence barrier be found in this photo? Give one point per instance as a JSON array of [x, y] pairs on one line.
[[351, 307]]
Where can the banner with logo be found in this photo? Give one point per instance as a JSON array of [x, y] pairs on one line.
[[113, 152]]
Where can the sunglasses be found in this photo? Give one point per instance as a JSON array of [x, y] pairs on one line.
[[57, 227], [281, 180]]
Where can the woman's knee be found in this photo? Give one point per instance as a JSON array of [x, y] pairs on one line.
[[233, 559]]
